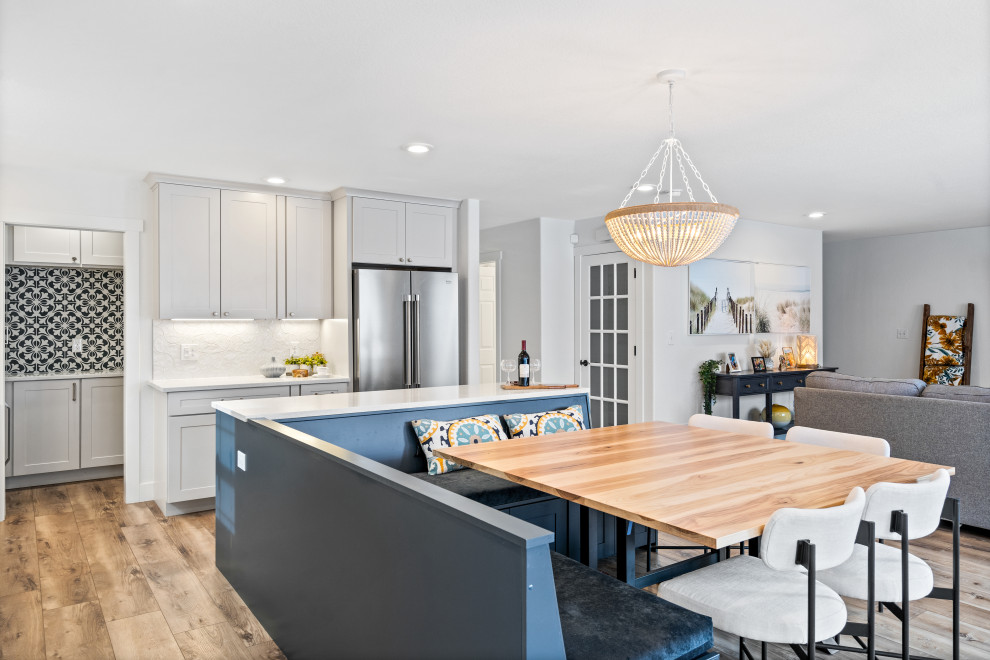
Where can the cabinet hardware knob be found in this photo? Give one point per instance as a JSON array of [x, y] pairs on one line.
[[747, 386], [226, 313], [216, 313], [74, 259], [408, 261], [763, 384], [800, 380], [780, 382], [292, 313], [401, 259]]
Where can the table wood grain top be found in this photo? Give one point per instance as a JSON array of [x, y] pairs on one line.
[[710, 487]]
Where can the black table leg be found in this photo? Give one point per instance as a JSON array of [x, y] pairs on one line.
[[754, 547], [589, 537], [625, 551]]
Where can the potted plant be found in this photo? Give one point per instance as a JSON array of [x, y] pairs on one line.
[[707, 372]]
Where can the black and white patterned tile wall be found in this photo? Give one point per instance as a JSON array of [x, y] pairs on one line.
[[48, 307]]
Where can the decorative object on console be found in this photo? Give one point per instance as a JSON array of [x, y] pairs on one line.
[[807, 349], [472, 430], [307, 363], [273, 369], [732, 363], [766, 348], [707, 372], [742, 297], [759, 364], [671, 233], [523, 425], [780, 417], [787, 354], [946, 348]]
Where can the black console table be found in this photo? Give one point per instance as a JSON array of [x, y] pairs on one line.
[[745, 383]]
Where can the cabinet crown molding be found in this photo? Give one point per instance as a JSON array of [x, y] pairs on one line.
[[154, 178], [341, 193]]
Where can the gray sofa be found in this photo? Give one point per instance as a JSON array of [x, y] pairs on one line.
[[934, 424]]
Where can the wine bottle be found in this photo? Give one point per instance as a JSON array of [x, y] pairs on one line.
[[523, 366]]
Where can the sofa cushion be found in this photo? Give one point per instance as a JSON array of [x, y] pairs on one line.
[[481, 487], [826, 380], [958, 393], [472, 430], [601, 617]]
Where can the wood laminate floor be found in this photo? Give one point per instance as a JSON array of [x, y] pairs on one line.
[[83, 575]]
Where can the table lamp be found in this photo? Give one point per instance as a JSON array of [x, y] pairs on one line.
[[807, 350]]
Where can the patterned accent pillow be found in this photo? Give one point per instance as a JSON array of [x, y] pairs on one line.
[[553, 421], [432, 433]]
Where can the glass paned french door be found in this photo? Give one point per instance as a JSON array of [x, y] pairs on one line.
[[607, 348]]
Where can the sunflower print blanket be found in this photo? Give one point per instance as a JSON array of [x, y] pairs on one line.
[[473, 430], [944, 350]]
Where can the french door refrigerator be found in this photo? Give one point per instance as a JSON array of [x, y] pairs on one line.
[[405, 328]]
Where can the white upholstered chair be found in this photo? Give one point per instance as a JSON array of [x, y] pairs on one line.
[[899, 512], [775, 597], [744, 426], [836, 440]]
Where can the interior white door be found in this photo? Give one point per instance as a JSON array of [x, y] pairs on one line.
[[429, 235], [188, 252], [379, 231], [101, 248], [308, 250], [608, 343], [248, 256], [488, 311]]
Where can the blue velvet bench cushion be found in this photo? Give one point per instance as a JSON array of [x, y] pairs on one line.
[[602, 617], [481, 487]]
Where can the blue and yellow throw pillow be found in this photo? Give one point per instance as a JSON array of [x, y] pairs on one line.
[[553, 421], [473, 430]]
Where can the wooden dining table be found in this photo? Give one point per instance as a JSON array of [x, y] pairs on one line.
[[713, 488]]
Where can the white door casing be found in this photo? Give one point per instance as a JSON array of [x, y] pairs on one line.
[[609, 300], [488, 312]]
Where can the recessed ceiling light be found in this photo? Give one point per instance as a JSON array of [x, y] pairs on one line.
[[418, 148], [646, 187], [814, 215], [275, 180]]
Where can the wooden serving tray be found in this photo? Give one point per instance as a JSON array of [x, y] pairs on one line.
[[537, 387]]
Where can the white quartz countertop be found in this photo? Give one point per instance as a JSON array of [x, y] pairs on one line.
[[349, 403], [65, 375], [223, 382]]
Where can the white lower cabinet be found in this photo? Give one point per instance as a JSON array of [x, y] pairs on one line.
[[8, 428], [101, 433], [323, 388], [188, 450], [46, 426]]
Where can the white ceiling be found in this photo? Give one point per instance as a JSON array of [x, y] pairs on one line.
[[877, 111]]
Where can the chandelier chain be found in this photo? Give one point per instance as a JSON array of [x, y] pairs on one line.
[[642, 175], [697, 175], [663, 170], [687, 184]]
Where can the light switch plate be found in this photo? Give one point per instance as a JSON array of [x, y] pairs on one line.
[[188, 352], [241, 461], [77, 344], [902, 333]]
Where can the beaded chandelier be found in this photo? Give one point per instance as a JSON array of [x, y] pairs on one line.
[[671, 233]]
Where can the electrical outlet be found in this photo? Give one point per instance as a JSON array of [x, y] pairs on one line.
[[902, 333], [77, 344], [188, 351], [670, 338], [241, 461]]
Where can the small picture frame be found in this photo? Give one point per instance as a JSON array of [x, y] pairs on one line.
[[733, 362], [788, 354], [759, 364]]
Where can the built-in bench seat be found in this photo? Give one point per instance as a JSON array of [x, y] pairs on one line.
[[482, 488], [601, 617]]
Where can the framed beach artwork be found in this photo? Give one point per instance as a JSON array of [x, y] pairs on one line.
[[742, 297]]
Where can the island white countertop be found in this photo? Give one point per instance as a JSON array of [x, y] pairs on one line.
[[349, 403], [224, 382]]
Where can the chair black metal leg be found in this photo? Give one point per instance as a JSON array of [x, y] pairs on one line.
[[763, 651], [955, 579]]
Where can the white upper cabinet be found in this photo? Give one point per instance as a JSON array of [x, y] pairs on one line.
[[101, 248], [308, 253], [429, 235], [379, 229], [248, 262], [46, 246], [400, 233], [189, 251]]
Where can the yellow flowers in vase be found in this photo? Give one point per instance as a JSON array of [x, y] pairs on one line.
[[307, 364]]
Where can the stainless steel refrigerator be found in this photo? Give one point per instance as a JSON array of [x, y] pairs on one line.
[[405, 328]]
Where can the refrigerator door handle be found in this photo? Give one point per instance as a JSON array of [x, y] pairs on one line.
[[407, 350], [416, 371]]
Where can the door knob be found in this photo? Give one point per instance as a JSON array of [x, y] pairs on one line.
[[584, 363]]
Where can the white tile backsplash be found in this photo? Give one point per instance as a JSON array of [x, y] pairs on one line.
[[228, 348]]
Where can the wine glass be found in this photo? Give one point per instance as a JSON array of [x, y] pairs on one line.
[[508, 367], [534, 366]]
